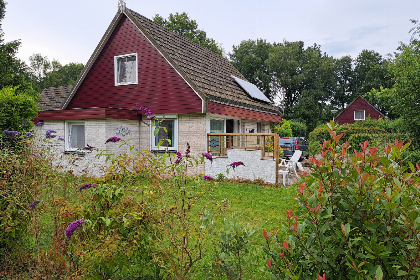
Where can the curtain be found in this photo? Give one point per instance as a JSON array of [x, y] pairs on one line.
[[126, 69], [77, 136]]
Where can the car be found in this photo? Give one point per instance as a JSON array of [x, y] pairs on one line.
[[290, 144]]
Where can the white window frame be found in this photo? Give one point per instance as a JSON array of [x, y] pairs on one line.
[[174, 147], [116, 69], [224, 122], [67, 128], [364, 115]]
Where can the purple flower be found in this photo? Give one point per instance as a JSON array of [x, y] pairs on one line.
[[73, 227], [208, 156], [113, 139], [61, 139], [187, 152], [23, 123], [147, 112], [207, 178], [33, 204], [87, 186], [236, 164], [39, 123], [12, 134], [88, 147], [49, 132], [29, 134], [178, 157]]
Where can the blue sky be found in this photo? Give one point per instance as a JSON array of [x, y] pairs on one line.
[[69, 31]]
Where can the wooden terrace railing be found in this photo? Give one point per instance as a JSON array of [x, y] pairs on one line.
[[219, 143]]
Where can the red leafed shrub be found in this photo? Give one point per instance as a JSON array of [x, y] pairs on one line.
[[358, 217]]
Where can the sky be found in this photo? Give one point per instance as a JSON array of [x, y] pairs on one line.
[[69, 30]]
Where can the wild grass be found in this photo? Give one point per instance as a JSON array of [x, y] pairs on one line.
[[39, 243]]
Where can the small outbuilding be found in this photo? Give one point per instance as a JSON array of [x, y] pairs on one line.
[[358, 110]]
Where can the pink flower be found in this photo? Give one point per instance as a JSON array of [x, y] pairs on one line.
[[73, 227], [113, 139], [208, 156]]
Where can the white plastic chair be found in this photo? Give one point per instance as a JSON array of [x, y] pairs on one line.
[[292, 164]]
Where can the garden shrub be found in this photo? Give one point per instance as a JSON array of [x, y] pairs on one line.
[[299, 129], [283, 129], [355, 139], [17, 109], [358, 217], [319, 135], [351, 129]]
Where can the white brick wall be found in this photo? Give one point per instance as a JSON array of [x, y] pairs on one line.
[[97, 131], [192, 129], [254, 168]]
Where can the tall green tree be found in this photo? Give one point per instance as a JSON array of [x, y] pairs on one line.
[[344, 74], [17, 97], [188, 28], [13, 72], [406, 70], [307, 79], [250, 57], [370, 71], [45, 74]]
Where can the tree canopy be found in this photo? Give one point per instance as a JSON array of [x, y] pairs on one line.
[[188, 28], [17, 97], [45, 74], [309, 83]]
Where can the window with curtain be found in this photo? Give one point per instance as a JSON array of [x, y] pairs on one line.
[[75, 136], [168, 130], [359, 115], [125, 69]]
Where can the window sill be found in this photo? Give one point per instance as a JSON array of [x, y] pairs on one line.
[[75, 152], [164, 151]]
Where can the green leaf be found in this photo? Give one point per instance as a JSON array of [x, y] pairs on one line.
[[379, 274], [156, 131], [401, 273]]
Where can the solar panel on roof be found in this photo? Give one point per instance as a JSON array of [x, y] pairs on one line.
[[251, 89]]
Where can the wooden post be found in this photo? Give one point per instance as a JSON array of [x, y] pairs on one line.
[[220, 145], [262, 146], [276, 147]]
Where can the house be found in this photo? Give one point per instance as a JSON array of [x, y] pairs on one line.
[[358, 110], [140, 63]]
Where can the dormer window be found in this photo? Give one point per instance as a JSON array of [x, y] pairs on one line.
[[359, 115], [125, 69]]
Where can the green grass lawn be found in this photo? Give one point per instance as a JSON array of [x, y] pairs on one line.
[[259, 206]]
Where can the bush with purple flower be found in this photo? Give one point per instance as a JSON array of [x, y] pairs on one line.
[[88, 147], [87, 186], [208, 156], [178, 157], [49, 133], [34, 204], [73, 227], [148, 113], [187, 152], [236, 164], [12, 134], [113, 139], [207, 178], [29, 134]]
